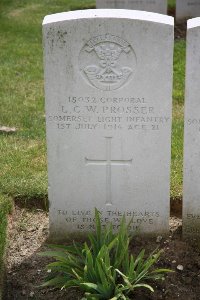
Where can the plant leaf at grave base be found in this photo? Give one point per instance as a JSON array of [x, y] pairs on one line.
[[103, 268]]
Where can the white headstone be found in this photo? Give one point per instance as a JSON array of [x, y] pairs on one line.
[[108, 82], [191, 193], [187, 9], [157, 6]]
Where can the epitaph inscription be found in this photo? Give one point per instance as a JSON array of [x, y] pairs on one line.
[[86, 221]]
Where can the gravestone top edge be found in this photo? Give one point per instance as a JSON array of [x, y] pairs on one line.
[[192, 23], [110, 14]]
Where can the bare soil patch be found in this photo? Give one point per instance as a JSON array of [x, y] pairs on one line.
[[28, 231], [180, 31], [180, 28]]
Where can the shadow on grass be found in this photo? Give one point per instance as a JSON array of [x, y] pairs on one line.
[[81, 7], [39, 201], [176, 207]]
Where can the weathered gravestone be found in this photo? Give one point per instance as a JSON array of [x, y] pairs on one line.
[[187, 9], [108, 82], [191, 199], [157, 6]]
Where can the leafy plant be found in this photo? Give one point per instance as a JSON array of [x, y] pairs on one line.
[[104, 269]]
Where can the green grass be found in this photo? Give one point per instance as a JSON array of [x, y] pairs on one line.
[[179, 72], [23, 155], [177, 152], [177, 126], [171, 3], [23, 170], [5, 206], [23, 164]]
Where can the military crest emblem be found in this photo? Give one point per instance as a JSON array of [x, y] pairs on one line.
[[107, 62]]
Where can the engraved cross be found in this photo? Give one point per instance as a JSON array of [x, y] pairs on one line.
[[108, 162]]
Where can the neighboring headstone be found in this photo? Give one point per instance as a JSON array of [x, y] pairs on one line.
[[187, 9], [108, 82], [157, 6], [191, 193]]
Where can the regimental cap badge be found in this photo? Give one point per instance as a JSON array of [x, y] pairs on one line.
[[107, 62]]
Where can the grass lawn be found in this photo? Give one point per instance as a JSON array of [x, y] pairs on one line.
[[23, 155], [5, 206], [171, 3], [23, 164], [177, 126], [23, 173], [23, 170]]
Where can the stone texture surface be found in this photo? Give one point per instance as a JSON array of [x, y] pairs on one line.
[[108, 84], [191, 194], [156, 6], [187, 9]]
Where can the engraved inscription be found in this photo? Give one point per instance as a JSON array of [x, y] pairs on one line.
[[194, 122], [193, 3], [192, 224], [105, 62], [193, 217], [108, 163], [108, 113], [84, 219], [192, 230]]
